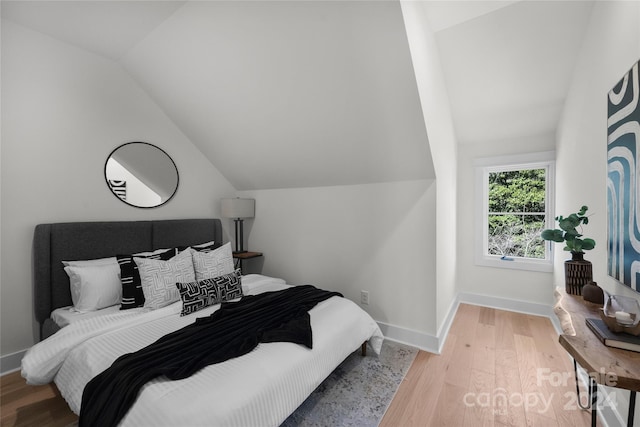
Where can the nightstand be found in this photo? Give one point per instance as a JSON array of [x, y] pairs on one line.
[[240, 256]]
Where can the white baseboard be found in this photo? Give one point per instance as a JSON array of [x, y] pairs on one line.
[[434, 344], [11, 362], [609, 412], [518, 306], [443, 332], [608, 415], [410, 337]]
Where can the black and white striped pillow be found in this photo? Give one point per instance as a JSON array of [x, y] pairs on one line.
[[132, 295], [202, 247]]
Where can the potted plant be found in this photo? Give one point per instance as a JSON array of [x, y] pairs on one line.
[[569, 233], [578, 271]]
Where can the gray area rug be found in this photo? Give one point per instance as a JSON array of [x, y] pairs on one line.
[[358, 392]]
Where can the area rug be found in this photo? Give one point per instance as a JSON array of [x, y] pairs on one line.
[[358, 392]]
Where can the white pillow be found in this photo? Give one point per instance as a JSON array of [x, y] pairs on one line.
[[91, 262], [94, 286], [216, 263], [159, 278]]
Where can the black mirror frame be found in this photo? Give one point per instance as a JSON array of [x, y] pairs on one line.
[[106, 180]]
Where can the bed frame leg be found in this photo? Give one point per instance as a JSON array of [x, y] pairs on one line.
[[363, 349]]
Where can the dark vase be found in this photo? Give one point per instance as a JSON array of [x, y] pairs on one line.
[[593, 293], [577, 273]]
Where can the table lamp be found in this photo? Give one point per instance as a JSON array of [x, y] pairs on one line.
[[238, 209]]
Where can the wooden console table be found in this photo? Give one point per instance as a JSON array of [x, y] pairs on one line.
[[601, 362]]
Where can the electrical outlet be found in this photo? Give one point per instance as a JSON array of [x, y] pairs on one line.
[[364, 297]]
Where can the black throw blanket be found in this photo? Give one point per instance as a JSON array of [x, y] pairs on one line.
[[235, 329]]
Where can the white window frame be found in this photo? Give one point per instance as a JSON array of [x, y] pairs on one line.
[[485, 166]]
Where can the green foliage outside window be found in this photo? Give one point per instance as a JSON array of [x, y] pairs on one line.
[[517, 213]]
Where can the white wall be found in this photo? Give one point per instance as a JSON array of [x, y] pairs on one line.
[[396, 240], [453, 161], [611, 47], [63, 111], [443, 143], [375, 237]]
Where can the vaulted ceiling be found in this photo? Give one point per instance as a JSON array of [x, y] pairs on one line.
[[508, 71], [315, 93]]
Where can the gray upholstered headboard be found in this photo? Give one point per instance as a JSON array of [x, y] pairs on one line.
[[53, 243]]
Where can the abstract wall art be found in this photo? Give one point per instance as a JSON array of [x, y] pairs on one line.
[[623, 180]]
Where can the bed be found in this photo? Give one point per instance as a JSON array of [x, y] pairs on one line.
[[261, 388]]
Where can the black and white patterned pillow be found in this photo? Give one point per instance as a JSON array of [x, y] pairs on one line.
[[204, 293], [159, 278], [132, 295], [198, 295], [202, 247], [229, 285]]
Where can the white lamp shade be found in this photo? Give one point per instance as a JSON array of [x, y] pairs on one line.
[[238, 208]]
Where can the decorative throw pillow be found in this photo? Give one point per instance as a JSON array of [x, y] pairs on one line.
[[94, 286], [198, 295], [213, 264], [202, 247], [159, 278], [132, 295], [229, 286]]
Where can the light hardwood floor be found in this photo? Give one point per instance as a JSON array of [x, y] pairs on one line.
[[497, 368]]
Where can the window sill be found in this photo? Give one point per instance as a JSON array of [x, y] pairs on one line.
[[544, 266]]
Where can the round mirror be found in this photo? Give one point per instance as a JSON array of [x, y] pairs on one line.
[[141, 175]]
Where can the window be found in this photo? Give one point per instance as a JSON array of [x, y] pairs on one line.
[[514, 205]]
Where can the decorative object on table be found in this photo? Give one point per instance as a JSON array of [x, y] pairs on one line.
[[593, 293], [239, 209], [612, 339], [623, 210], [577, 271], [621, 314]]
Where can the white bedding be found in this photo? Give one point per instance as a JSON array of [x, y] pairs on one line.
[[67, 315], [258, 389]]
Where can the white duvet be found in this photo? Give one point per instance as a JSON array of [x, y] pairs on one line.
[[261, 388]]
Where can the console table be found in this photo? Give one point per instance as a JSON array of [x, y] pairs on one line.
[[600, 361]]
